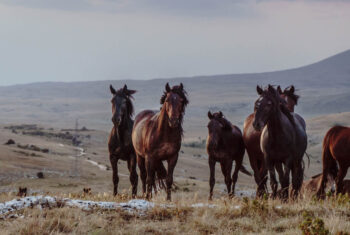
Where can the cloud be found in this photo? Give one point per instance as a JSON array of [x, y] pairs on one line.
[[204, 8], [181, 8]]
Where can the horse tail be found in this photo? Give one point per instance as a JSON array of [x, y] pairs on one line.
[[244, 170], [161, 174], [308, 159], [326, 152]]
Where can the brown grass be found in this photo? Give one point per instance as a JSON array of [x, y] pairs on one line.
[[229, 216]]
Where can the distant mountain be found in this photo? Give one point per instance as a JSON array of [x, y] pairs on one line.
[[324, 88]]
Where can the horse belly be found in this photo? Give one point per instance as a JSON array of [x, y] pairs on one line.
[[340, 148], [219, 156], [137, 139], [275, 151]]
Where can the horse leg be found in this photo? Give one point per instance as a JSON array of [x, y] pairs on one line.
[[285, 183], [254, 165], [280, 172], [235, 174], [150, 168], [212, 177], [114, 163], [273, 181], [297, 178], [226, 168], [339, 180], [133, 175], [143, 173], [169, 178], [263, 179]]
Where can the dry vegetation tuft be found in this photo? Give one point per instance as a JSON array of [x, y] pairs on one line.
[[227, 216]]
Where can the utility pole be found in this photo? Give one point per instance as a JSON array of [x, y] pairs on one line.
[[75, 142]]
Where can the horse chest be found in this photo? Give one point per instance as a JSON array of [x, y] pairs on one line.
[[166, 149]]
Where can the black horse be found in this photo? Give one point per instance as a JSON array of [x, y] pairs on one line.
[[283, 139], [120, 144]]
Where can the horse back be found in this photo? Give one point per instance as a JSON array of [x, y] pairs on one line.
[[337, 140], [142, 115]]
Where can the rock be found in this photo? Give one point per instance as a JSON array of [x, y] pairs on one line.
[[10, 142], [40, 175]]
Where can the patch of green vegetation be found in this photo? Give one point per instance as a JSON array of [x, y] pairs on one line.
[[312, 225]]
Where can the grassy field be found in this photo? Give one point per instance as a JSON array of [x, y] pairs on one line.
[[225, 216], [20, 163]]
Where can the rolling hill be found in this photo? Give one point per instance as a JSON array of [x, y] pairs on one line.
[[324, 88]]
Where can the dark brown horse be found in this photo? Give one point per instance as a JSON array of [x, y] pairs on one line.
[[291, 100], [157, 136], [336, 153], [283, 139], [224, 145], [251, 138], [120, 144]]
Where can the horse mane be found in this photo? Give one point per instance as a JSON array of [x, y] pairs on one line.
[[129, 104], [227, 125], [291, 94]]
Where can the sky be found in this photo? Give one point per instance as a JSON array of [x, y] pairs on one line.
[[88, 40]]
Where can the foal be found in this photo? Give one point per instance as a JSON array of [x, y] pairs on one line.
[[119, 144], [224, 145]]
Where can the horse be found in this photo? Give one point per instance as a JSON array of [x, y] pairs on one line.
[[251, 138], [283, 140], [291, 99], [157, 137], [310, 186], [336, 149], [119, 143], [224, 145]]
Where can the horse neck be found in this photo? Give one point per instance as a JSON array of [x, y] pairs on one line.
[[163, 128], [124, 128], [291, 106], [274, 123]]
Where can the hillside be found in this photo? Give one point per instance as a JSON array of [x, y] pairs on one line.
[[324, 88]]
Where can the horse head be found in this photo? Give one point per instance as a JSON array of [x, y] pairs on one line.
[[174, 102], [121, 104]]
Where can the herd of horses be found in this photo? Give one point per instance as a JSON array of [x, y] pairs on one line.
[[274, 136]]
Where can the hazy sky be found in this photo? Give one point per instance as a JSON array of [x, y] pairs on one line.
[[75, 40]]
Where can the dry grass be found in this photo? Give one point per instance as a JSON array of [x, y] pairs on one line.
[[229, 216]]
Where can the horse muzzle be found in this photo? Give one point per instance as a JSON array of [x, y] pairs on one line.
[[174, 122], [257, 126], [116, 120]]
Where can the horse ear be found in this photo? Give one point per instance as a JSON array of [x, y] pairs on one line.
[[221, 115], [292, 89], [259, 90], [181, 86], [210, 115], [271, 89], [125, 89], [167, 87], [113, 91], [279, 90]]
